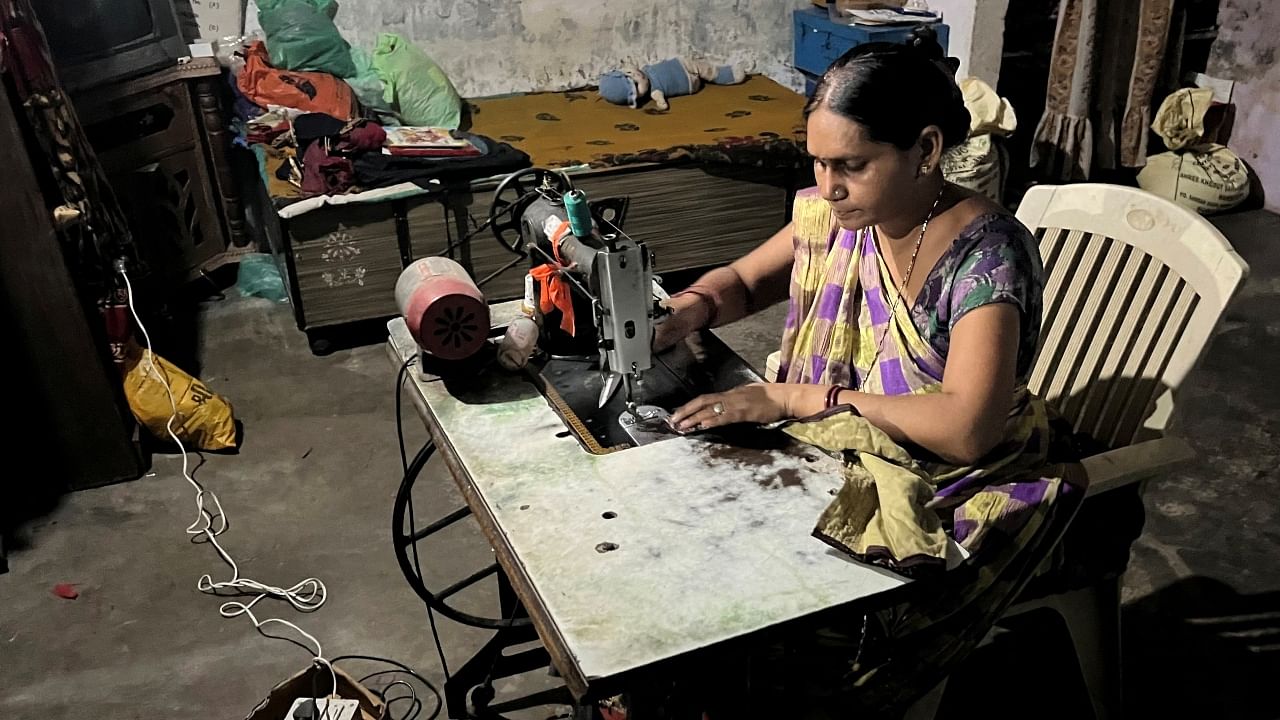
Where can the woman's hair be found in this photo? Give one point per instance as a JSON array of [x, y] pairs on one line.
[[895, 91]]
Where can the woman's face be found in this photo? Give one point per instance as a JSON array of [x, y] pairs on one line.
[[866, 182]]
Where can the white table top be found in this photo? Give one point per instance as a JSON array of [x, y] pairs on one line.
[[711, 545]]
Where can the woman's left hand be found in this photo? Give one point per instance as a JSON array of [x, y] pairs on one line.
[[755, 403]]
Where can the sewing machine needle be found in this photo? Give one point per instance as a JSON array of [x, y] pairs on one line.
[[611, 383]]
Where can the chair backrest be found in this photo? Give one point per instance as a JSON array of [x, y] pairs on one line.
[[1135, 288]]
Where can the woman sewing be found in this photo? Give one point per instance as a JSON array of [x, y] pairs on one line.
[[914, 317], [951, 280]]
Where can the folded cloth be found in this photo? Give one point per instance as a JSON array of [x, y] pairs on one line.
[[264, 133], [375, 170], [325, 174], [362, 136], [345, 138]]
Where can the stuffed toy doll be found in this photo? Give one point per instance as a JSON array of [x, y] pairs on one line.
[[664, 80]]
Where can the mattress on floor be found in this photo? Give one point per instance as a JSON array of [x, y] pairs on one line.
[[758, 122]]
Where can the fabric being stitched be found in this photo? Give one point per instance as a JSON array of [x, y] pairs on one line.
[[839, 331]]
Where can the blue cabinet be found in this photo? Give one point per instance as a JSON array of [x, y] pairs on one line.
[[819, 42]]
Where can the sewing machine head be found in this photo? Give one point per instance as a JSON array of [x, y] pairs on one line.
[[590, 281]]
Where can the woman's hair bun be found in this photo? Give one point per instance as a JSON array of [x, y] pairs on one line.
[[924, 39]]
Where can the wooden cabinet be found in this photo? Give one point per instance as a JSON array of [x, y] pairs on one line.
[[162, 140], [344, 260]]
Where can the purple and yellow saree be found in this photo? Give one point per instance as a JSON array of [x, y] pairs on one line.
[[992, 523]]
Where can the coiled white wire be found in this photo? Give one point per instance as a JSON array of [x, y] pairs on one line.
[[305, 596]]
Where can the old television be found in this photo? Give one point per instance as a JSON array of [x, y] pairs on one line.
[[94, 42]]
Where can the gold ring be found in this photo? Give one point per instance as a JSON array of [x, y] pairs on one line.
[[718, 408]]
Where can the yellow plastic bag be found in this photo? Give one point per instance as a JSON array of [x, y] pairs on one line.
[[204, 419]]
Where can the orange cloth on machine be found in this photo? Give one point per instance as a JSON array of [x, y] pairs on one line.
[[554, 291], [309, 91]]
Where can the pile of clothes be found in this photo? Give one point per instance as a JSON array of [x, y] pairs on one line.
[[317, 106]]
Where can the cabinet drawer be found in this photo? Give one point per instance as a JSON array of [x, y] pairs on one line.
[[133, 130]]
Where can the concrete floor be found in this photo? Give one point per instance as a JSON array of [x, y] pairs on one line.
[[310, 493]]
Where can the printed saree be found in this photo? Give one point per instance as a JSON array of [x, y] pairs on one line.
[[895, 510]]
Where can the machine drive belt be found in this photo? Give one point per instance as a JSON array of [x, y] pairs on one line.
[[575, 423]]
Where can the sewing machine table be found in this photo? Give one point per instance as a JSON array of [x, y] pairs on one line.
[[629, 559]]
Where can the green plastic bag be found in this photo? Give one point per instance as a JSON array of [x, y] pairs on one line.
[[301, 36], [416, 87], [259, 277], [366, 84]]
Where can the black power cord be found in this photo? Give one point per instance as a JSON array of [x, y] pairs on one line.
[[413, 521], [476, 229], [415, 704]]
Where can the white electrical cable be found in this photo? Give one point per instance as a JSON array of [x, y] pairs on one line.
[[306, 596]]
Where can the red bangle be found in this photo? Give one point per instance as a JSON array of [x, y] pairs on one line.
[[704, 296], [833, 395]]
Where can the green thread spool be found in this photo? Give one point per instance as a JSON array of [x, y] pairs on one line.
[[575, 206]]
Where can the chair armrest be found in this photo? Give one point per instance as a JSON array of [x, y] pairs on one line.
[[1134, 463]]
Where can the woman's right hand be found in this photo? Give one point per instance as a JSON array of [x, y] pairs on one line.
[[689, 313]]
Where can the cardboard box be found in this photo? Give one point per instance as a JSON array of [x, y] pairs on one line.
[[315, 680]]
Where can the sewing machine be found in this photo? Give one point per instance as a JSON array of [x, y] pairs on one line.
[[592, 358], [612, 297], [610, 277], [591, 534]]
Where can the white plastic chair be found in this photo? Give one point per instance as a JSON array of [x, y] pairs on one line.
[[1136, 287]]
